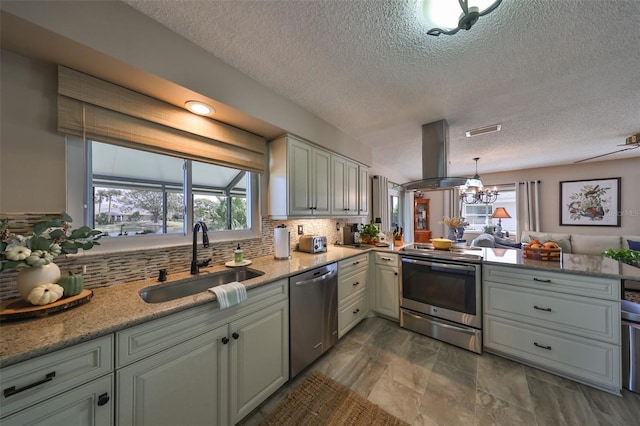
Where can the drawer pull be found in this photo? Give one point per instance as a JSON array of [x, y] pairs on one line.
[[541, 309], [541, 281], [12, 390], [356, 283], [355, 263], [386, 258], [356, 311], [103, 399], [542, 347]]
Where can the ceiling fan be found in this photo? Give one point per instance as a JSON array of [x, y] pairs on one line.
[[632, 142]]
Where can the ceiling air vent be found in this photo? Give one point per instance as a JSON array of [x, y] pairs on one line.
[[483, 130]]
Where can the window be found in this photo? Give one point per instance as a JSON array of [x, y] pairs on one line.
[[137, 192], [479, 215]]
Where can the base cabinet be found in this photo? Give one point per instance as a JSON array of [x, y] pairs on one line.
[[239, 357], [353, 304], [386, 289], [564, 323]]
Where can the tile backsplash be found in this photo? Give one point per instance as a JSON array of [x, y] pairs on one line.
[[107, 269]]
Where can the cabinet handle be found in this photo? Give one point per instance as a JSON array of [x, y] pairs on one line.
[[356, 311], [541, 309], [395, 273], [541, 281], [356, 283], [235, 335], [225, 340], [355, 263], [103, 399], [386, 258], [542, 347], [12, 390]]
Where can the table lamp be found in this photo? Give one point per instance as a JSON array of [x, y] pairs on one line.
[[500, 213]]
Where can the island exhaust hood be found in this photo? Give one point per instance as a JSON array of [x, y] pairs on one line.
[[435, 152]]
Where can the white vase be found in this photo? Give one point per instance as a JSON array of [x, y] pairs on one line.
[[28, 278]]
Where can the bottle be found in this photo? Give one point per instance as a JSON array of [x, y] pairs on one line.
[[238, 255]]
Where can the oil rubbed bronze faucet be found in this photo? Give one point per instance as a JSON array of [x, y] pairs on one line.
[[195, 266]]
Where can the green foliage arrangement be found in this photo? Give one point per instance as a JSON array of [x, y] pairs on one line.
[[369, 233], [50, 238], [628, 256]]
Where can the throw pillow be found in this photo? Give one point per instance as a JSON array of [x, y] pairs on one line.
[[634, 245], [506, 243]]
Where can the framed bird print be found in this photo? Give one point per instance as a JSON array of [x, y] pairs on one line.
[[594, 202]]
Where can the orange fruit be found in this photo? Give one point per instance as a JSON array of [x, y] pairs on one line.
[[534, 242], [551, 245], [535, 245]]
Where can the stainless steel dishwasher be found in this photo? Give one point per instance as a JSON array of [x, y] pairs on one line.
[[313, 310]]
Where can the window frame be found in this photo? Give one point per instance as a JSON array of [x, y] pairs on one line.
[[80, 197]]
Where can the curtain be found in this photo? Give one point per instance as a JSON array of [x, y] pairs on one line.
[[380, 198], [97, 109], [528, 201]]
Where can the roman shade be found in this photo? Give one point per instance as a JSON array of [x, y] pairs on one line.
[[95, 109]]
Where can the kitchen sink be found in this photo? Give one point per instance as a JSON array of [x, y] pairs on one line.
[[165, 292]]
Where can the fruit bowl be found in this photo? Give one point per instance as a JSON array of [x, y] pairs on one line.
[[549, 253]]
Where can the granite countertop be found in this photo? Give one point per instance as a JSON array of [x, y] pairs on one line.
[[581, 264], [118, 307]]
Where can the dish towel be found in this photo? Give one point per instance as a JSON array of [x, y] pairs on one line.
[[229, 294]]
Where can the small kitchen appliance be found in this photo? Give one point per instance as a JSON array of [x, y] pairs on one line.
[[282, 242], [312, 244]]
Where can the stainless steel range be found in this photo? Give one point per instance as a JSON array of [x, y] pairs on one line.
[[441, 294]]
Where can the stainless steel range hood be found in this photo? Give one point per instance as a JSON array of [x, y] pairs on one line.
[[435, 153]]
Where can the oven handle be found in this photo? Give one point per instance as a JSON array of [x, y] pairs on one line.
[[458, 328], [440, 265]]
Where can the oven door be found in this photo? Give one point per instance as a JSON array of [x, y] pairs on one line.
[[442, 289]]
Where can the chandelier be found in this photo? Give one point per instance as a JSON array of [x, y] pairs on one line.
[[474, 193], [444, 17]]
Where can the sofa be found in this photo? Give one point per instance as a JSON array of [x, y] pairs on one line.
[[570, 243]]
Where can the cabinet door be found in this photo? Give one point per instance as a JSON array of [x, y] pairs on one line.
[[87, 405], [363, 192], [387, 299], [321, 182], [300, 165], [421, 231], [185, 384], [351, 188], [339, 197], [259, 358]]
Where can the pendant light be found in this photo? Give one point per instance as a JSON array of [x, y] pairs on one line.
[[473, 193]]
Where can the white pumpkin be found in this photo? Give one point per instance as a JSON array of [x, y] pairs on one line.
[[45, 294]]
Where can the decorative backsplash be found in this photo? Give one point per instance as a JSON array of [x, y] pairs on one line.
[[107, 269]]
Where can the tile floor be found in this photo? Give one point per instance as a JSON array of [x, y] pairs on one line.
[[426, 382]]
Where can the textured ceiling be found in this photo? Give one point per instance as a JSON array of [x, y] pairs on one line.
[[561, 76]]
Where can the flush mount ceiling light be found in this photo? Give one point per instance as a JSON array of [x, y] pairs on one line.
[[483, 130], [445, 17], [199, 108]]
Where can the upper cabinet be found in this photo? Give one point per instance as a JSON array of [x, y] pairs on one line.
[[307, 181], [344, 196]]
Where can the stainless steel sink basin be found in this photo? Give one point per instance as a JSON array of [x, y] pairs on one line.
[[165, 292]]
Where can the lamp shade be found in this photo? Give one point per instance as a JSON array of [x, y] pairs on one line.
[[500, 213]]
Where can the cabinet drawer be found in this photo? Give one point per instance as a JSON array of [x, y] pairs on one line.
[[590, 361], [351, 314], [581, 285], [352, 264], [54, 373], [587, 317], [386, 259], [351, 284]]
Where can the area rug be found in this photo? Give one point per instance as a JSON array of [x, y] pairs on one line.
[[319, 400]]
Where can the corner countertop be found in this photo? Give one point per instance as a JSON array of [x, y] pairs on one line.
[[581, 264], [118, 307]]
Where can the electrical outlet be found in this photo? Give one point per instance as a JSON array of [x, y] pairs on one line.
[[300, 230]]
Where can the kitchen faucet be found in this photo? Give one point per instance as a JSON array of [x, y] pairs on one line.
[[195, 266]]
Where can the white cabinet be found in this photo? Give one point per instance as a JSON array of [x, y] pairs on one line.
[[345, 196], [204, 365], [566, 323], [386, 295], [363, 192], [299, 179], [72, 383], [352, 292]]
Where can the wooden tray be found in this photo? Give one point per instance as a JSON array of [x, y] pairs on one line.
[[16, 309], [549, 254]]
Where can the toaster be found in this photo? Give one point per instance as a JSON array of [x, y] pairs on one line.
[[312, 244]]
